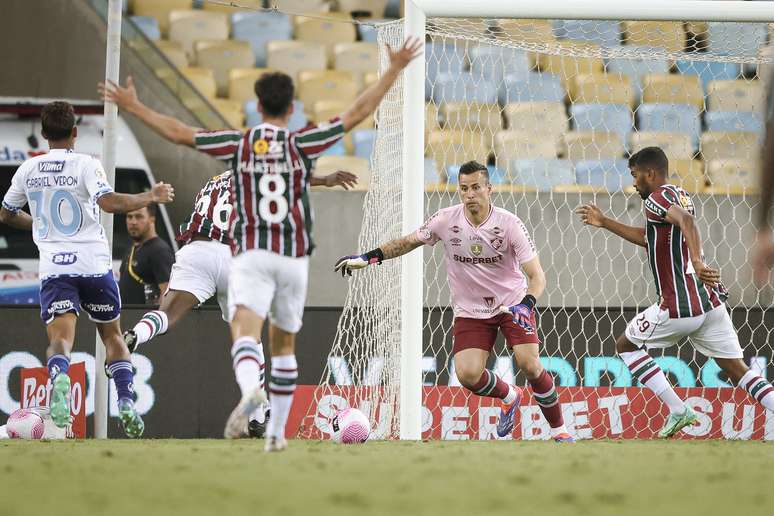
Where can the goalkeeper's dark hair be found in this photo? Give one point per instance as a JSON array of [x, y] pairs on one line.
[[471, 167], [650, 157], [275, 93], [57, 120]]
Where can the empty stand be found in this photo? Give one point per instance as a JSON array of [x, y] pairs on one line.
[[326, 31], [673, 118], [612, 118], [672, 89], [186, 27], [472, 116], [610, 174], [541, 174], [602, 89], [449, 147], [221, 57], [600, 32], [549, 118], [737, 95], [592, 145], [258, 28], [292, 57], [744, 121], [675, 145], [729, 145], [241, 83], [668, 35], [533, 87], [317, 85], [159, 9]]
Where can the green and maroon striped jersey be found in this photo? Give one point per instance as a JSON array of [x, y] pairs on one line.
[[213, 214], [273, 168], [681, 291]]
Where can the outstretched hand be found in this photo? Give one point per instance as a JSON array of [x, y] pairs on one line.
[[162, 193], [590, 215], [401, 58], [341, 178], [123, 97]]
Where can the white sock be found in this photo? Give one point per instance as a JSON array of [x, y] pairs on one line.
[[511, 396], [647, 371], [758, 388], [248, 363], [282, 386], [152, 324]]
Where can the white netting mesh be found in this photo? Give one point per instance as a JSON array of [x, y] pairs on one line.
[[555, 108]]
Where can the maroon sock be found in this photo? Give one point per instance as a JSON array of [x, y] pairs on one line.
[[545, 394], [490, 385]]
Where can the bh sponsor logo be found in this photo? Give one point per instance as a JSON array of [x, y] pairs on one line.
[[64, 258]]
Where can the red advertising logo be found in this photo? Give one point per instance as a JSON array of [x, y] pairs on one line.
[[36, 391]]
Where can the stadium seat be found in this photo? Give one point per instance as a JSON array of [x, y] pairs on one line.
[[221, 57], [358, 58], [734, 175], [612, 118], [534, 87], [741, 39], [373, 8], [358, 166], [203, 79], [729, 145], [526, 31], [512, 145], [292, 57], [635, 68], [187, 27], [250, 4], [326, 31], [363, 141], [323, 110], [679, 118], [612, 174], [394, 9], [672, 89], [431, 172], [669, 35], [300, 6], [494, 62], [599, 32], [453, 147], [708, 71], [592, 145], [602, 88], [148, 25], [674, 145], [231, 110], [497, 176], [550, 117], [297, 120], [316, 85], [471, 116], [367, 33], [687, 173], [174, 52], [565, 66], [441, 58], [258, 28], [542, 174], [241, 83], [734, 121], [160, 10], [738, 95], [464, 87]]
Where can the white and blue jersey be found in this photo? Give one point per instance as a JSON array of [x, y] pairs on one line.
[[62, 188]]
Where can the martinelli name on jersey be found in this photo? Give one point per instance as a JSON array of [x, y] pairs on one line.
[[213, 213]]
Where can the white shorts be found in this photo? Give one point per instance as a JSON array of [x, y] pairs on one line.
[[712, 334], [270, 283], [202, 268]]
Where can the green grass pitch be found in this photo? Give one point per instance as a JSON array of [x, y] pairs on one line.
[[220, 478]]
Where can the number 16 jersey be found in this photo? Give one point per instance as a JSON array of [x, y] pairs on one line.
[[213, 213]]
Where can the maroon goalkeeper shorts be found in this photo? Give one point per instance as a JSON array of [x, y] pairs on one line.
[[482, 333]]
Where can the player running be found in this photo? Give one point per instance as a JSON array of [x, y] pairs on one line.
[[486, 250], [691, 296], [273, 169], [65, 191]]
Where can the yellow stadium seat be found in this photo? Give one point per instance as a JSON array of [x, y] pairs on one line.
[[160, 10], [250, 4], [292, 57], [359, 166], [316, 85], [456, 147], [231, 110], [335, 28], [736, 95], [602, 89], [729, 145], [688, 173], [300, 6], [672, 89], [203, 79], [509, 145], [374, 7], [241, 83], [527, 31], [733, 176], [669, 35], [567, 67], [431, 117], [359, 58], [674, 145], [548, 118], [187, 27], [223, 56], [592, 145], [471, 116], [323, 110], [172, 50]]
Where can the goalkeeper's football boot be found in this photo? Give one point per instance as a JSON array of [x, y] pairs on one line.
[[676, 422], [507, 419], [563, 437], [130, 339], [59, 408], [131, 421], [236, 426], [275, 444]]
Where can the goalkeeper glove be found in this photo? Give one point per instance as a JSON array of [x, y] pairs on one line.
[[522, 313], [347, 264]]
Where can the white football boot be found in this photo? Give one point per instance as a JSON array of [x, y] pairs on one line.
[[236, 426]]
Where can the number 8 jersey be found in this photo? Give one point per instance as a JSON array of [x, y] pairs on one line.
[[62, 188]]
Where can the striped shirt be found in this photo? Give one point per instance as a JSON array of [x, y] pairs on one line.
[[213, 213], [681, 291], [270, 189]]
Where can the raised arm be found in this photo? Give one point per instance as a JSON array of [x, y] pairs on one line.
[[593, 216], [114, 202], [16, 219], [687, 224], [168, 127], [391, 249]]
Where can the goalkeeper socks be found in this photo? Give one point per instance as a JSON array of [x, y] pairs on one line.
[[57, 364], [248, 362], [647, 371], [491, 386], [545, 394], [758, 388], [282, 386], [121, 372], [153, 323]]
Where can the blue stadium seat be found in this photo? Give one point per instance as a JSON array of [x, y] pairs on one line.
[[613, 174], [741, 39], [393, 9], [709, 70], [148, 25], [368, 33], [534, 87], [542, 173], [604, 33], [497, 176], [734, 121], [634, 69], [363, 140], [257, 28], [610, 118], [679, 118], [463, 87], [297, 119], [441, 58], [431, 172], [337, 149], [494, 63]]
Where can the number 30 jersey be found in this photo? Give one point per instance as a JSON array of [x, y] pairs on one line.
[[213, 212], [62, 188]]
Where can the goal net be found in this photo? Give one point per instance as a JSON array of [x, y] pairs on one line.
[[555, 107]]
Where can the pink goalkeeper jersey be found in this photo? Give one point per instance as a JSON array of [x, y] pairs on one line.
[[482, 263]]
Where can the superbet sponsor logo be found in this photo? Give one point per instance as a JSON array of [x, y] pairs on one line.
[[488, 260]]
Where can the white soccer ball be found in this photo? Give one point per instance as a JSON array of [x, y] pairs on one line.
[[351, 426], [25, 424]]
